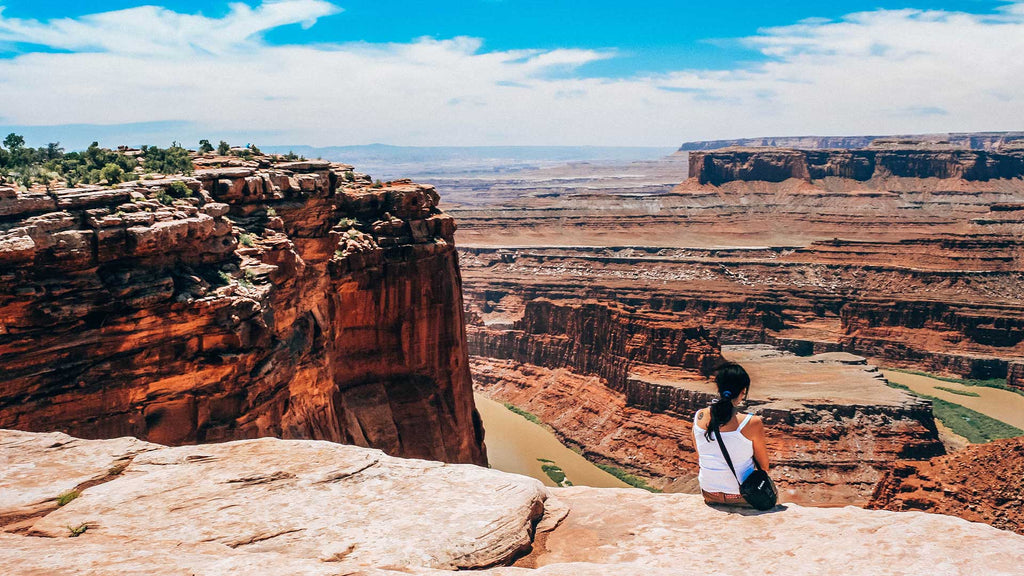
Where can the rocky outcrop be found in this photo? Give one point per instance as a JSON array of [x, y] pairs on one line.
[[259, 506], [779, 164], [255, 298], [970, 140], [982, 483]]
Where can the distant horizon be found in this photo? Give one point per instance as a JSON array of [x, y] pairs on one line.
[[40, 136]]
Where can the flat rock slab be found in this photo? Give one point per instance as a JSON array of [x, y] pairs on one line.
[[311, 500], [29, 556], [635, 532], [36, 468]]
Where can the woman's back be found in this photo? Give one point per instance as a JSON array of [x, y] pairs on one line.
[[715, 475]]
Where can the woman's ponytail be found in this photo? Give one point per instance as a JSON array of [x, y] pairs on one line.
[[732, 380]]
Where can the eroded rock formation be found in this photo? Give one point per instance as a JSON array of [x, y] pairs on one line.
[[982, 483], [255, 298], [258, 506]]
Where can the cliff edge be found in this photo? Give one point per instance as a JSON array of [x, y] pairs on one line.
[[258, 297], [307, 507]]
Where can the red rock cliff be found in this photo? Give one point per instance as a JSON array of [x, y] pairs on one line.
[[778, 164], [261, 299]]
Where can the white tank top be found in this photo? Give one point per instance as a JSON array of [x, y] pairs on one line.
[[715, 475]]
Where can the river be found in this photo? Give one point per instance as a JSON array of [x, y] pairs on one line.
[[999, 404], [514, 444]]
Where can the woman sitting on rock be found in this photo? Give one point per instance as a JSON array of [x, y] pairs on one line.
[[743, 435]]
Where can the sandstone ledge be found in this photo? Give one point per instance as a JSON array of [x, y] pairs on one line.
[[312, 507]]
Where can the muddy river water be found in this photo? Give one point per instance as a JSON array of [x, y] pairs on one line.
[[514, 444]]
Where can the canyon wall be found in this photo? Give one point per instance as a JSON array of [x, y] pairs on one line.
[[254, 298]]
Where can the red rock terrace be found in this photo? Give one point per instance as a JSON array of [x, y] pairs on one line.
[[255, 298]]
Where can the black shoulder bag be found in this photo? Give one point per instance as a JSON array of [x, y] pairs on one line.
[[758, 489]]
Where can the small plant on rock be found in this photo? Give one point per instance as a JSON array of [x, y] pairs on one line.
[[65, 498], [245, 240], [164, 198], [76, 531]]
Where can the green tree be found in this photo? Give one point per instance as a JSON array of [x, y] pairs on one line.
[[223, 148], [205, 147], [54, 151], [14, 142]]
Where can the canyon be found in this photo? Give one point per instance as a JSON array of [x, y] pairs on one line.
[[120, 507], [256, 297], [903, 254]]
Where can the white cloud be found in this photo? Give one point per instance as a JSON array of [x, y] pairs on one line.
[[871, 72]]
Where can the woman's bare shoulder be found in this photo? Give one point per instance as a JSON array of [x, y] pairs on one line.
[[755, 425]]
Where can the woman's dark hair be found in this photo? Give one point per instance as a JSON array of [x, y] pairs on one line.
[[732, 380]]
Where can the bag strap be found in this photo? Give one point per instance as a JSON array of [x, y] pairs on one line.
[[725, 452]]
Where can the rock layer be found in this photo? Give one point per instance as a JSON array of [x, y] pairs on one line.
[[257, 298]]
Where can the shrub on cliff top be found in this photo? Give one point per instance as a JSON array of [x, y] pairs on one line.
[[179, 189], [223, 148], [205, 147]]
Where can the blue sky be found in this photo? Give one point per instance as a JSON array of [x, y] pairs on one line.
[[508, 71]]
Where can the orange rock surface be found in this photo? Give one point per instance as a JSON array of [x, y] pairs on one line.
[[263, 298]]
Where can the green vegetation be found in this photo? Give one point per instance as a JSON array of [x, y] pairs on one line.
[[350, 176], [66, 497], [245, 240], [976, 427], [173, 160], [271, 212], [628, 478], [554, 472], [223, 148], [164, 198], [76, 531], [531, 417], [958, 392], [999, 383], [51, 166], [377, 184], [205, 147], [347, 222], [292, 156]]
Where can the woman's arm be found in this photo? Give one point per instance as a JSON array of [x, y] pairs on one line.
[[754, 431]]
